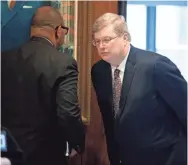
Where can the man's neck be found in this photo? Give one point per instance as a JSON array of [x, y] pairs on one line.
[[118, 62], [122, 56], [42, 34]]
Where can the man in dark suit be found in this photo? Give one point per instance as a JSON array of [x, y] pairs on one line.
[[39, 93], [142, 98]]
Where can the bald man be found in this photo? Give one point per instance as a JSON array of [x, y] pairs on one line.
[[39, 93]]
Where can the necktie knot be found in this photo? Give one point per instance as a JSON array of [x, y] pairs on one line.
[[116, 73]]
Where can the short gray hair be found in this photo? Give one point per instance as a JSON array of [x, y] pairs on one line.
[[120, 25]]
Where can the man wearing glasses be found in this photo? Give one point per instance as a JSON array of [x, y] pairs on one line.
[[39, 94], [142, 98]]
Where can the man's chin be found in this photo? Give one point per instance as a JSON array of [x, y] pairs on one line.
[[107, 59], [104, 54]]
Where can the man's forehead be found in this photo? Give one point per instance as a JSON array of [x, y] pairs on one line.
[[105, 32]]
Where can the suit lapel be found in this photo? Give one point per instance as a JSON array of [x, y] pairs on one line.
[[107, 76], [127, 79]]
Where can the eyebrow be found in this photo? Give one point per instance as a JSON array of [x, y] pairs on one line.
[[105, 37]]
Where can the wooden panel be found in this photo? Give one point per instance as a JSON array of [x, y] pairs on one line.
[[86, 54], [84, 58], [99, 8], [95, 149]]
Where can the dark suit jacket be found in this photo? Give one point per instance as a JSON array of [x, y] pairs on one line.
[[151, 125], [39, 101]]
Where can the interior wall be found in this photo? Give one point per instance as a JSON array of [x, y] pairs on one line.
[[95, 150]]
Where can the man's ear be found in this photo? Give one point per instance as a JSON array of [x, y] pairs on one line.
[[56, 35], [57, 32], [125, 36]]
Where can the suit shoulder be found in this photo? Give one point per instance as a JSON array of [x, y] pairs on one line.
[[56, 57], [148, 58], [98, 65], [9, 55], [67, 59], [9, 52]]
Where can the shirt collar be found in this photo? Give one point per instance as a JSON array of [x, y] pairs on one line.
[[48, 40]]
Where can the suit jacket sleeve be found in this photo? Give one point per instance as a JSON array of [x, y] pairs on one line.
[[172, 87], [110, 140], [68, 110]]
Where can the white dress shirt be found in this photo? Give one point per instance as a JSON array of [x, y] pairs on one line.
[[121, 67]]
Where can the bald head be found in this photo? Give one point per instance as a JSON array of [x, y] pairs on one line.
[[47, 22], [47, 16]]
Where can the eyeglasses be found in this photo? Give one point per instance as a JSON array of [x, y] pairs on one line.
[[104, 41], [66, 29]]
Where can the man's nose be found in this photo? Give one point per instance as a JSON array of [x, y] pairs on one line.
[[101, 45]]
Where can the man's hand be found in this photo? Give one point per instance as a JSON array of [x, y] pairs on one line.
[[73, 153], [5, 161]]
